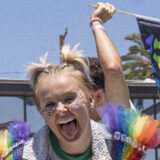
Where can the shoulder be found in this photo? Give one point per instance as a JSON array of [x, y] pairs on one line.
[[37, 146], [100, 129], [100, 148]]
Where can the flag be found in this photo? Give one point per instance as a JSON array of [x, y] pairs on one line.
[[150, 34]]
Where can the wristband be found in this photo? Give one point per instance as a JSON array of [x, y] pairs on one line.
[[98, 26], [96, 19]]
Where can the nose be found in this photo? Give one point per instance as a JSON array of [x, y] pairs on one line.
[[61, 107]]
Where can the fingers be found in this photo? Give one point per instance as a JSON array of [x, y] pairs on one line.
[[104, 11], [106, 6], [112, 9]]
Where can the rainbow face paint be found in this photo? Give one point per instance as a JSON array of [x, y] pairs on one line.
[[74, 105]]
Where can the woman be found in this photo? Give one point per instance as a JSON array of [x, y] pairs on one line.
[[63, 95]]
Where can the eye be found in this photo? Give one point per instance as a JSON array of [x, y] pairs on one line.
[[50, 105], [69, 100]]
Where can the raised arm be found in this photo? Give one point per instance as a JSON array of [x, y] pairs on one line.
[[116, 88]]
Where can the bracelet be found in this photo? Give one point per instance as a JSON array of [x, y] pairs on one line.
[[96, 19], [98, 26]]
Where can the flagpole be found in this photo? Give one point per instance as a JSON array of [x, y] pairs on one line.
[[135, 15], [127, 13], [118, 11]]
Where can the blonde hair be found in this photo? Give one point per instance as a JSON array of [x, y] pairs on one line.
[[72, 61]]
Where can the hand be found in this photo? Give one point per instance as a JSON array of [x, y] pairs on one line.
[[104, 11]]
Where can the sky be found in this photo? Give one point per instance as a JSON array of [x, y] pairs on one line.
[[30, 28]]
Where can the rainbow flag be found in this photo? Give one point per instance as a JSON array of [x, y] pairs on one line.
[[150, 34]]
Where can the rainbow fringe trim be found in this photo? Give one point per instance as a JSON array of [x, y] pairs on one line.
[[12, 140], [132, 131]]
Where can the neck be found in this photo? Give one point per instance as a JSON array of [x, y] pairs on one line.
[[80, 145]]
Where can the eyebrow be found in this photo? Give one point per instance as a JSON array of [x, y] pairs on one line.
[[72, 94], [68, 94]]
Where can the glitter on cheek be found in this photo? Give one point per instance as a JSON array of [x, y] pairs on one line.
[[82, 100], [49, 113], [78, 103]]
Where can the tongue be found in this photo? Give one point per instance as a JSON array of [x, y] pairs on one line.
[[69, 128]]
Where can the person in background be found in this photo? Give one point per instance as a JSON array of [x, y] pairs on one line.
[[97, 76]]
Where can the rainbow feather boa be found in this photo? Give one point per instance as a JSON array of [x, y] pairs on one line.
[[12, 140], [132, 131]]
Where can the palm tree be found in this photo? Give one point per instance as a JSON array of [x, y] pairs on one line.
[[136, 63]]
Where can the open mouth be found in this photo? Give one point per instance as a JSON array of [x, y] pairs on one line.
[[69, 128]]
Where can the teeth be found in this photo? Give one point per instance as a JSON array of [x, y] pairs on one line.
[[66, 121]]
